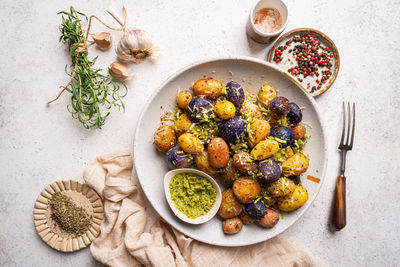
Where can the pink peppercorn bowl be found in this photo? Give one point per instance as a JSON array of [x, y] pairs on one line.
[[324, 39], [264, 37]]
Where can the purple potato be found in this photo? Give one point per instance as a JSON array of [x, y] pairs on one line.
[[280, 105], [295, 179], [200, 109], [255, 210], [283, 133], [234, 93], [232, 130], [271, 171], [295, 115], [176, 158]]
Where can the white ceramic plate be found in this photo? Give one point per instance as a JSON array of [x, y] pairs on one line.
[[151, 166]]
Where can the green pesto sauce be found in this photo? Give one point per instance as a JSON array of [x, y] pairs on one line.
[[192, 194]]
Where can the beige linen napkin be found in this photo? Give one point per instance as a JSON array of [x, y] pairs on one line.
[[123, 242]]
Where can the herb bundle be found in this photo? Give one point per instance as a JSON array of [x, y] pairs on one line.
[[93, 94]]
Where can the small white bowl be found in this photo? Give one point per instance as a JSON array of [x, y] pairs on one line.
[[203, 218], [264, 37]]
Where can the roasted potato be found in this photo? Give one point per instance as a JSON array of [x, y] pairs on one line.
[[283, 154], [249, 107], [270, 170], [176, 158], [233, 130], [230, 206], [243, 163], [255, 210], [190, 143], [281, 187], [299, 131], [264, 149], [164, 138], [235, 93], [266, 94], [270, 218], [245, 218], [225, 110], [294, 200], [209, 87], [183, 99], [283, 133], [200, 109], [246, 189], [183, 124], [259, 130], [296, 164], [295, 115], [218, 153], [280, 105], [203, 163], [229, 173], [232, 226]]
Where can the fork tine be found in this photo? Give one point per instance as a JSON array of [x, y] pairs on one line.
[[344, 125], [354, 125], [348, 124]]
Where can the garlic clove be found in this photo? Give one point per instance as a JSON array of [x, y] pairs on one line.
[[102, 39], [119, 72]]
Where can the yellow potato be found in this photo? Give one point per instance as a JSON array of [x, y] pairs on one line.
[[209, 87], [266, 94], [230, 206], [225, 110], [183, 99], [281, 187], [283, 154], [183, 124], [296, 164], [164, 138], [264, 149], [259, 131], [203, 163], [249, 107], [294, 200], [190, 143], [246, 189]]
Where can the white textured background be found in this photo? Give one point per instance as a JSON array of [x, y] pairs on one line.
[[39, 145]]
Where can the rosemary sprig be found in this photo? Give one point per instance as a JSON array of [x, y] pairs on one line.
[[93, 94]]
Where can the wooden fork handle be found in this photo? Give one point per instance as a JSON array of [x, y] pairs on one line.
[[339, 214]]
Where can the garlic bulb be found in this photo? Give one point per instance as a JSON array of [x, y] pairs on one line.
[[119, 72], [102, 39], [135, 45]]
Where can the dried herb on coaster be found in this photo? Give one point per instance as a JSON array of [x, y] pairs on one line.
[[93, 93], [69, 217]]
